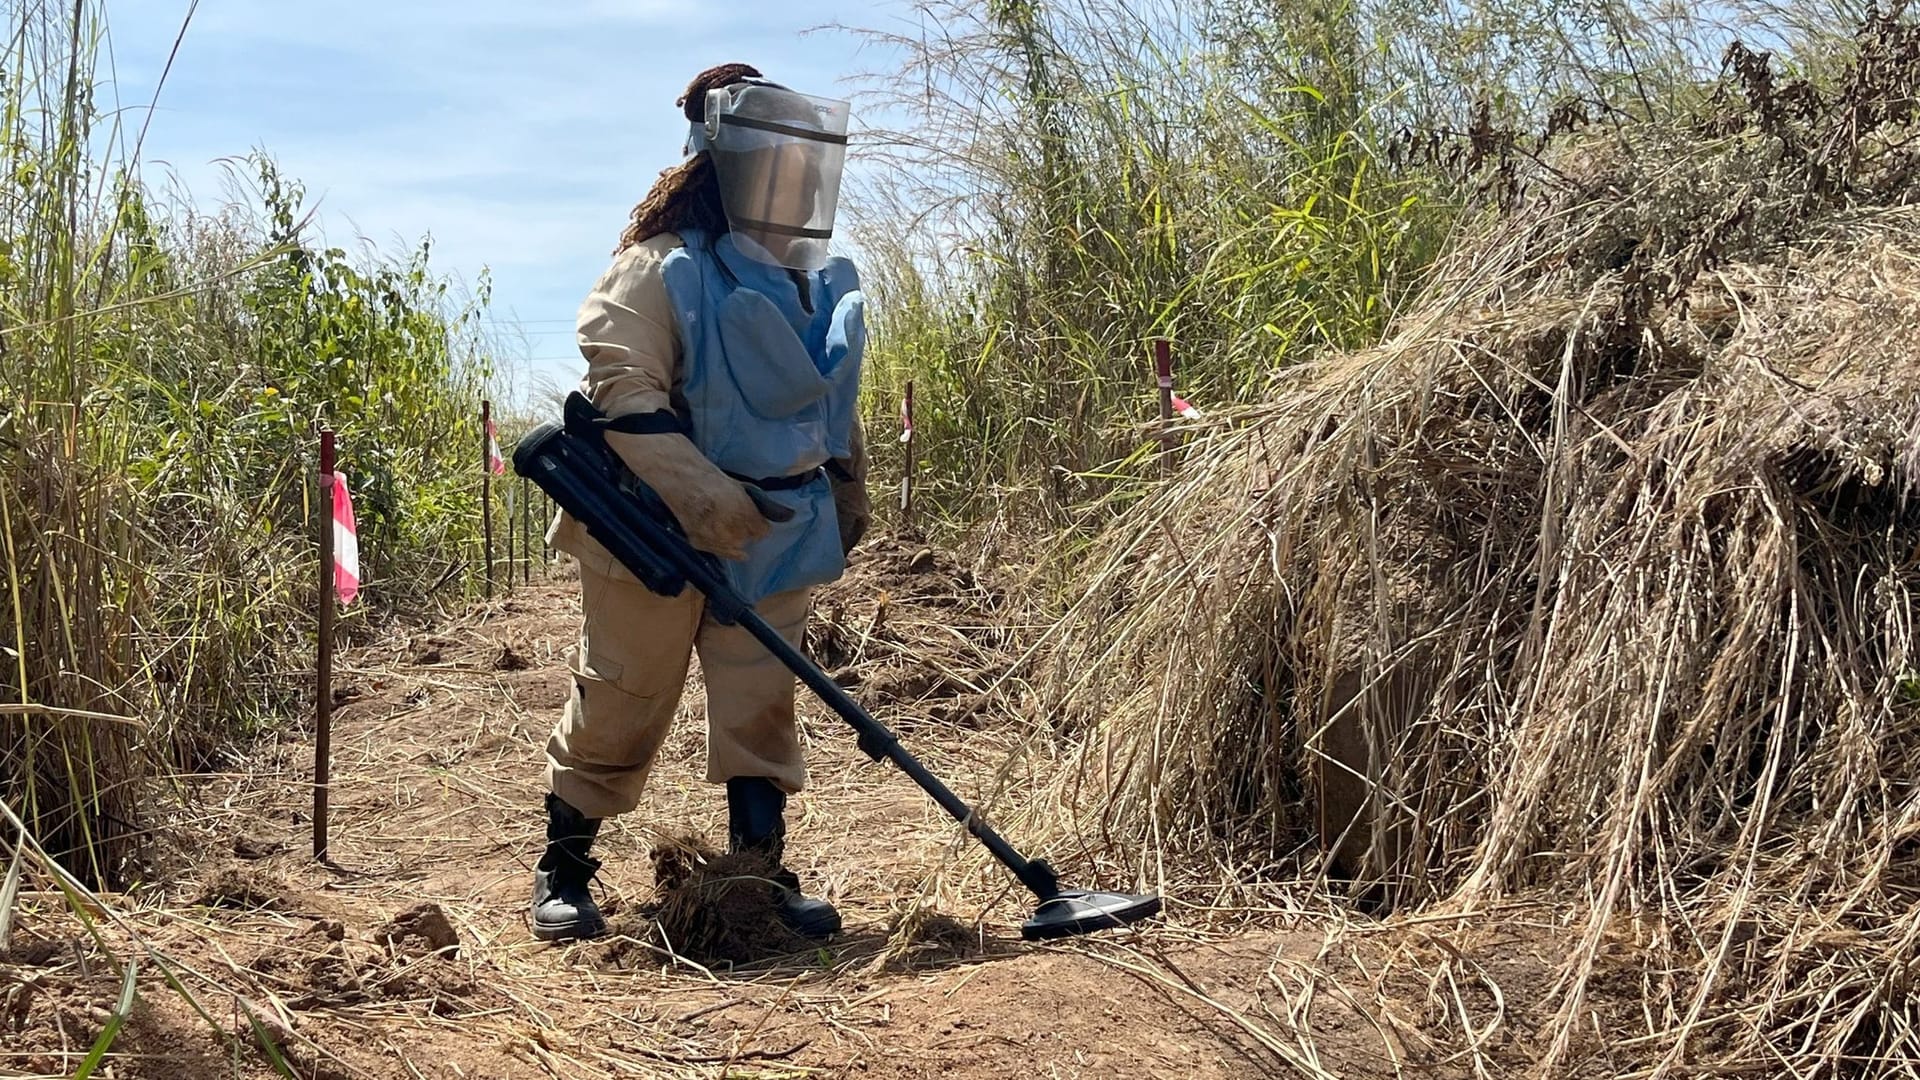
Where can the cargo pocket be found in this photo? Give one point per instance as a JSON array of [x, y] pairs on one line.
[[637, 643]]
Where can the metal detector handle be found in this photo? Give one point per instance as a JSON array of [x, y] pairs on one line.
[[764, 503]]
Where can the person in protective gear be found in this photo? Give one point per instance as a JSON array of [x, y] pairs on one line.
[[727, 344]]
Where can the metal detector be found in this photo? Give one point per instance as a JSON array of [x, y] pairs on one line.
[[572, 463]]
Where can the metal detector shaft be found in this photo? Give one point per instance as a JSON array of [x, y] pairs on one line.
[[572, 463], [877, 741]]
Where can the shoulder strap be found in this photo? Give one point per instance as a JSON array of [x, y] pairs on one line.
[[658, 422], [581, 416]]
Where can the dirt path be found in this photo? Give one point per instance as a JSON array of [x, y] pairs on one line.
[[437, 802]]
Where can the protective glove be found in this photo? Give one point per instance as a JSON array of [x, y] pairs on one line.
[[850, 502], [714, 508]]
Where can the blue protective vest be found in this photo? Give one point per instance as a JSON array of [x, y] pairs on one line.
[[770, 391]]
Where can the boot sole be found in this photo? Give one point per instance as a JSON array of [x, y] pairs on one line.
[[572, 931]]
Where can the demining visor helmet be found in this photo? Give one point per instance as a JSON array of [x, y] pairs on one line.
[[777, 156]]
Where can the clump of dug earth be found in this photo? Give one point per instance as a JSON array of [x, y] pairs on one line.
[[710, 907]]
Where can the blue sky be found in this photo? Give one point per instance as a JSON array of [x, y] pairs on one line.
[[516, 133]]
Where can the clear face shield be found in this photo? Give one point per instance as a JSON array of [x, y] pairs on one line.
[[778, 156]]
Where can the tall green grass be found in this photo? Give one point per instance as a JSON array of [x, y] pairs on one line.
[[162, 376], [1257, 180], [1109, 173]]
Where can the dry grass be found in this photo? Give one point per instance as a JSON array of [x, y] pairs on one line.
[[1601, 569]]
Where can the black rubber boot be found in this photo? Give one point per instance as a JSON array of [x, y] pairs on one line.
[[755, 822], [563, 909]]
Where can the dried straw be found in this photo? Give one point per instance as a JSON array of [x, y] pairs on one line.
[[1596, 576]]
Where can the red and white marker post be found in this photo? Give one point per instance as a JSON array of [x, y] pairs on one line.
[[339, 583]]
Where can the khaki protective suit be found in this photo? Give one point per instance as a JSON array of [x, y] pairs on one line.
[[631, 662]]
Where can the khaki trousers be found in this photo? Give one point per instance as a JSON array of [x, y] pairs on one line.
[[628, 672]]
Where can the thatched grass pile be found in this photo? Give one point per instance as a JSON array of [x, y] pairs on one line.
[[1596, 578]]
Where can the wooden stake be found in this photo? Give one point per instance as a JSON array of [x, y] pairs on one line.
[[323, 663], [907, 471], [513, 531], [1163, 372], [526, 532], [486, 491]]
